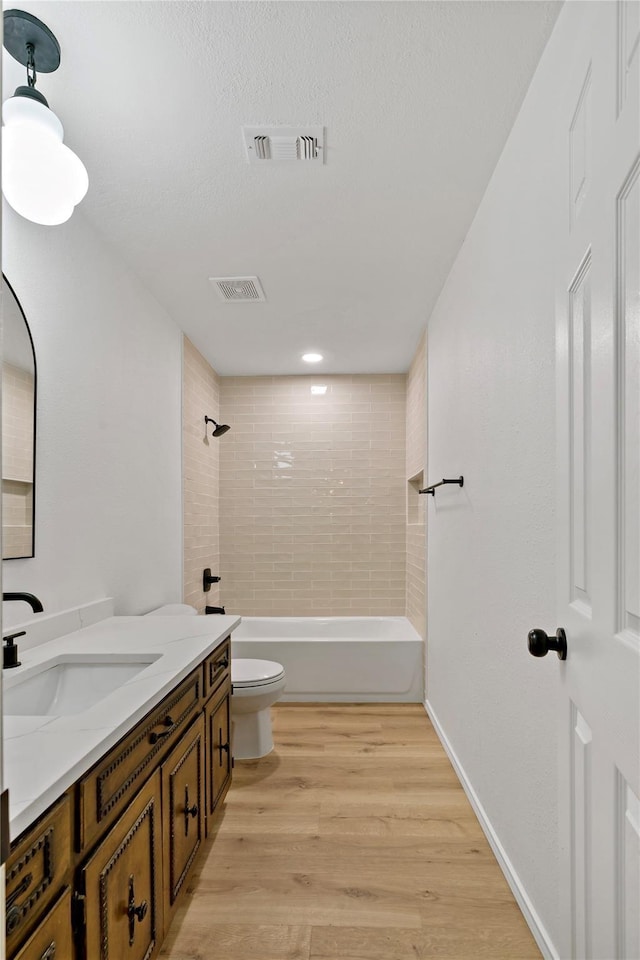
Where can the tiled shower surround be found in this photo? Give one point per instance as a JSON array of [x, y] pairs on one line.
[[201, 454], [312, 496], [305, 506], [417, 504]]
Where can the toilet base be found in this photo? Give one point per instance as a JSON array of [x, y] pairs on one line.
[[251, 735]]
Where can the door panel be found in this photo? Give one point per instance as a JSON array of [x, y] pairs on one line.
[[598, 471], [628, 859], [580, 845], [628, 269]]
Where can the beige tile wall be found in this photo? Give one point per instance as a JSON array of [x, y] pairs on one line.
[[312, 496], [201, 456], [416, 609], [17, 461], [17, 423]]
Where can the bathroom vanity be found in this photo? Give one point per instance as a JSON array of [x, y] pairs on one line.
[[130, 786]]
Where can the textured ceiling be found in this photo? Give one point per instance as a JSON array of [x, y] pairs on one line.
[[417, 99]]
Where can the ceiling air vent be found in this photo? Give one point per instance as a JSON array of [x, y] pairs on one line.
[[284, 144], [238, 289]]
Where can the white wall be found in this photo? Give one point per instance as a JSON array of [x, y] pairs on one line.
[[491, 574], [108, 455]]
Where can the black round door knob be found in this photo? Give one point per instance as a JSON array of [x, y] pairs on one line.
[[540, 643]]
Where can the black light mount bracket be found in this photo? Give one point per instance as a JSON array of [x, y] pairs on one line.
[[31, 43], [207, 579]]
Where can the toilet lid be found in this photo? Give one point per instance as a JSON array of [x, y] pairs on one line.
[[255, 673]]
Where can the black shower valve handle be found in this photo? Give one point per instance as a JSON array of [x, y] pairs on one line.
[[207, 579]]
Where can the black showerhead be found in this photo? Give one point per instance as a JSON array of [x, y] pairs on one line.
[[218, 428]]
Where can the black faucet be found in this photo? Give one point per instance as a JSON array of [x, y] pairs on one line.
[[29, 598], [10, 648]]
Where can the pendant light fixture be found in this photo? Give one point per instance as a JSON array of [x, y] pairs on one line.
[[42, 179]]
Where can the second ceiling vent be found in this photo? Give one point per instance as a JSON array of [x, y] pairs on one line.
[[284, 144], [238, 289]]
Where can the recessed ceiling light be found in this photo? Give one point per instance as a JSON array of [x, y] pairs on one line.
[[312, 357], [318, 391]]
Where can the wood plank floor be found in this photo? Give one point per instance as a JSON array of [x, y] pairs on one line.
[[353, 840]]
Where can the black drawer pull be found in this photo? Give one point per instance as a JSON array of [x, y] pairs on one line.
[[14, 913], [222, 663], [154, 737], [189, 811], [13, 920], [222, 746], [135, 912], [22, 887]]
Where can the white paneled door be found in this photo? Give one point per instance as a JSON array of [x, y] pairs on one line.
[[598, 361]]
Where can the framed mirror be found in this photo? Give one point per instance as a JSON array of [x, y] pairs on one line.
[[18, 429]]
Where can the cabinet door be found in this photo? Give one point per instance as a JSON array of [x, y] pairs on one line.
[[123, 884], [218, 749], [52, 940], [37, 870], [184, 811]]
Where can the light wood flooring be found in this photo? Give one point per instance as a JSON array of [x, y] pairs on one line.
[[353, 840]]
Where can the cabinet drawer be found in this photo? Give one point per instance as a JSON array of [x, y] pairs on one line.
[[216, 666], [122, 884], [109, 787], [37, 870], [184, 811], [217, 720], [52, 940]]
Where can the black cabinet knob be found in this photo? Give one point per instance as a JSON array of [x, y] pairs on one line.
[[540, 643], [140, 912]]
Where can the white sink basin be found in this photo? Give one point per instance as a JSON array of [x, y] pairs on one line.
[[70, 684]]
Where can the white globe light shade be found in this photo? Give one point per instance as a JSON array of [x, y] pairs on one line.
[[42, 179]]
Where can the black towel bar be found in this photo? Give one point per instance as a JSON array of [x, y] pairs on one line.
[[432, 488]]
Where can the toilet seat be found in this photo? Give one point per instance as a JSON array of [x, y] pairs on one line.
[[255, 673]]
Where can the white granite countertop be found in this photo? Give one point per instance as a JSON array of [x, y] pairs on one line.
[[44, 755]]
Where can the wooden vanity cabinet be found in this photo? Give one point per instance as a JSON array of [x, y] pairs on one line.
[[219, 760], [216, 667], [37, 870], [183, 780], [122, 883], [107, 789], [52, 940], [99, 876]]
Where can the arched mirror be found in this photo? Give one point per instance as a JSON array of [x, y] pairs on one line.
[[18, 429]]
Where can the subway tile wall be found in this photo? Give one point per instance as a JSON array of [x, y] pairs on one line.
[[312, 496], [416, 464], [201, 465]]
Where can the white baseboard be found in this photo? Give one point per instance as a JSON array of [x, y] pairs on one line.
[[536, 926]]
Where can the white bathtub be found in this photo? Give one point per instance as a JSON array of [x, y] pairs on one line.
[[338, 658]]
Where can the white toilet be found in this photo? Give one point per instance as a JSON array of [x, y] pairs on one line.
[[256, 685]]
